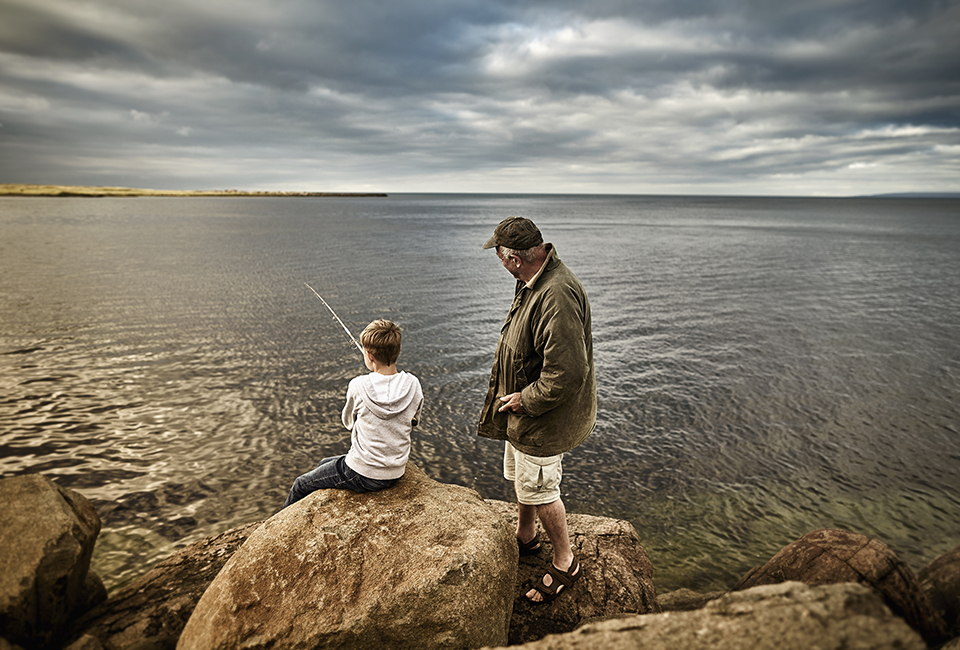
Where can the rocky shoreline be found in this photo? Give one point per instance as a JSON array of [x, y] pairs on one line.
[[106, 192], [431, 565]]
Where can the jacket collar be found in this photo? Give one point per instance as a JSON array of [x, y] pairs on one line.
[[551, 256]]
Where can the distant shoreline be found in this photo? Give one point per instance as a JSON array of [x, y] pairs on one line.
[[94, 191], [98, 192]]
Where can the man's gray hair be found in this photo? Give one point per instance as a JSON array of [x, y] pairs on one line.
[[527, 255]]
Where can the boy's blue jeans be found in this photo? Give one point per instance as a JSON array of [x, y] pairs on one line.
[[333, 473]]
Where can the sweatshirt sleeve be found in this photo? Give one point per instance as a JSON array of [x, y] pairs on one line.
[[349, 415], [419, 393]]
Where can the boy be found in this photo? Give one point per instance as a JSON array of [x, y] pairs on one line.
[[381, 410]]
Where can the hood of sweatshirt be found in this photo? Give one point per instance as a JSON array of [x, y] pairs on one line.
[[387, 395]]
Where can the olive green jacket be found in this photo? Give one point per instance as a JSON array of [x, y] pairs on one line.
[[545, 352]]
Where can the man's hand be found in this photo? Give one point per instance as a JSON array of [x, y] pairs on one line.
[[511, 403]]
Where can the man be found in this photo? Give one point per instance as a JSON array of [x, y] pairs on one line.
[[542, 398]]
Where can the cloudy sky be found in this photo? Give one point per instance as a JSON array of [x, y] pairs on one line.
[[768, 97]]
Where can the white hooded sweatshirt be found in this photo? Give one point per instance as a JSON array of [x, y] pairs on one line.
[[381, 411]]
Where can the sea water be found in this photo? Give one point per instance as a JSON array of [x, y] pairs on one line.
[[766, 366]]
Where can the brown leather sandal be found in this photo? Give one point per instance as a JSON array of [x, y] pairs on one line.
[[529, 548], [562, 580]]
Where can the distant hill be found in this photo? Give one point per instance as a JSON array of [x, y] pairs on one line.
[[94, 191], [916, 195]]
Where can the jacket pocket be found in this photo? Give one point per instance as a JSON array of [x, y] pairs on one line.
[[524, 430]]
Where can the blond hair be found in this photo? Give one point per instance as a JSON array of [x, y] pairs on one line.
[[381, 338]]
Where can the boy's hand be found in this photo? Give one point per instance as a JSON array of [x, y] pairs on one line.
[[512, 403]]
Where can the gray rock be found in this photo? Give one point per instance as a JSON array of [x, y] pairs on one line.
[[787, 616], [46, 542], [94, 592], [951, 645], [150, 612], [617, 577], [830, 556], [685, 600], [420, 565], [86, 642], [940, 581]]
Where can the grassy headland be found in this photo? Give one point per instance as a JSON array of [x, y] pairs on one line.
[[12, 189]]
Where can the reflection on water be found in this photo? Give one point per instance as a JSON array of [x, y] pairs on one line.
[[765, 367]]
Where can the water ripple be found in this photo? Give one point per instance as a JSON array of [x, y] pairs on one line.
[[765, 367]]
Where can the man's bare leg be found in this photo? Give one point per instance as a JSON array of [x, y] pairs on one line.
[[526, 522], [553, 517]]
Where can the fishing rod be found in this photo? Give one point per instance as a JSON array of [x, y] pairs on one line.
[[355, 342]]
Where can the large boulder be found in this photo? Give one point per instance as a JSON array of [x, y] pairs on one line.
[[830, 556], [617, 577], [46, 542], [420, 565], [940, 581], [787, 616], [151, 612]]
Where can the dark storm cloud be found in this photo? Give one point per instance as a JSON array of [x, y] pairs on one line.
[[828, 96]]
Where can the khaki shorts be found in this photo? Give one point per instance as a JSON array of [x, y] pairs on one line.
[[535, 478]]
